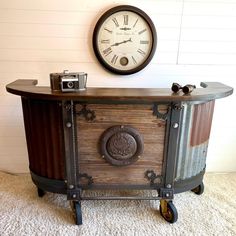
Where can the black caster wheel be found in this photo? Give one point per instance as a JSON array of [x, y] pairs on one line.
[[199, 189], [76, 208], [168, 211], [41, 193]]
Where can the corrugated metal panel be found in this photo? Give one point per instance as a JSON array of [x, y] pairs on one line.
[[201, 125], [44, 137], [195, 131]]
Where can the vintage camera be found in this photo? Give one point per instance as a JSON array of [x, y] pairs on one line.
[[68, 82]]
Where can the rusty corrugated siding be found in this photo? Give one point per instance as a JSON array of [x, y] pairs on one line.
[[201, 124], [195, 132]]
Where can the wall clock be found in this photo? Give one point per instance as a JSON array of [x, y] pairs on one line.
[[124, 39]]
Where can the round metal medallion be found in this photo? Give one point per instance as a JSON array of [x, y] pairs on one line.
[[121, 145]]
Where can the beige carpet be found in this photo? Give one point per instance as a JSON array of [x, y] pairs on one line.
[[23, 213]]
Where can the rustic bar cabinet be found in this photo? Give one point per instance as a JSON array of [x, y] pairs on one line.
[[118, 138]]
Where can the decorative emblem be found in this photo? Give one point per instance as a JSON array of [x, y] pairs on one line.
[[88, 114], [159, 114], [153, 177], [84, 177], [121, 145]]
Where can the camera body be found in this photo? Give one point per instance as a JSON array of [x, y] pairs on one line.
[[68, 82]]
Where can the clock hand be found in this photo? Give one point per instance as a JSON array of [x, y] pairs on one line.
[[129, 40], [125, 41]]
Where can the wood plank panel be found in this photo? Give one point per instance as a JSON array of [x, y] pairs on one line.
[[44, 55], [139, 117], [113, 175], [45, 17], [43, 43], [160, 6]]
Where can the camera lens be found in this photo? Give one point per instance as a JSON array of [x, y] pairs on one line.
[[70, 84]]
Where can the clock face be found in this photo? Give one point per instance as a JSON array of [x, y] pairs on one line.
[[124, 40]]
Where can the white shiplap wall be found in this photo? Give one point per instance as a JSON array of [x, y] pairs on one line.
[[196, 42]]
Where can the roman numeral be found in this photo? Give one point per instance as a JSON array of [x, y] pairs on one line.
[[142, 31], [144, 42], [134, 61], [114, 59], [141, 52], [126, 19], [135, 23], [105, 41], [109, 31], [116, 22], [107, 51]]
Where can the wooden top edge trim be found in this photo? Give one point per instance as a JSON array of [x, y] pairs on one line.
[[209, 91]]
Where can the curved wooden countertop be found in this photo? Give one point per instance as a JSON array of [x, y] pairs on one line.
[[209, 91]]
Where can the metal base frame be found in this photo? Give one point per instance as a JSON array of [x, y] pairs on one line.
[[59, 186], [188, 184], [167, 208], [49, 185]]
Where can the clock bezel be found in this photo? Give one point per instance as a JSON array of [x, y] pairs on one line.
[[97, 28]]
